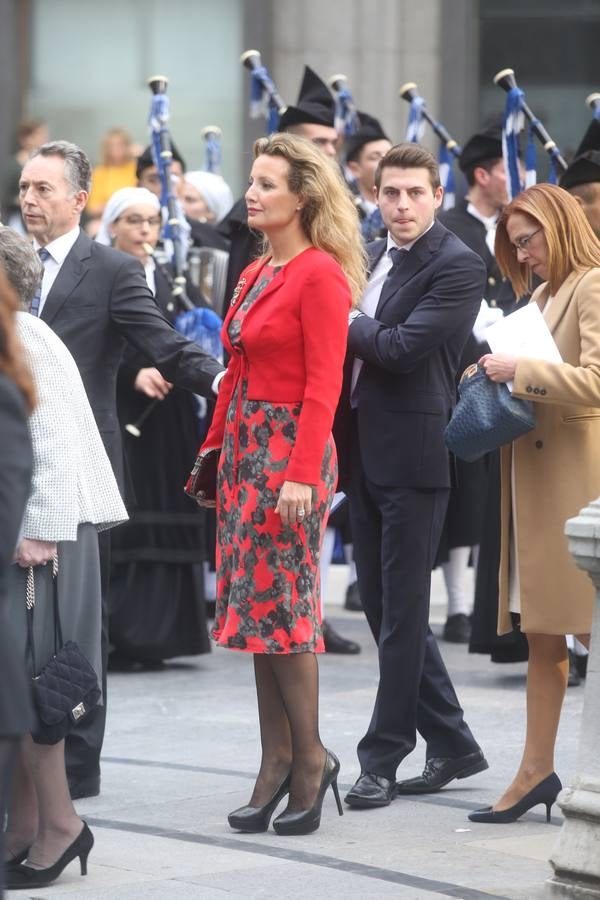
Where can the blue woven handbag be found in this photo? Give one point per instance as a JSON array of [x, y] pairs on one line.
[[486, 416]]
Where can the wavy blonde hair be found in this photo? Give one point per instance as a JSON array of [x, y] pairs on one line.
[[572, 245], [329, 217]]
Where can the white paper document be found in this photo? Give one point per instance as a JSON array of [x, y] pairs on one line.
[[523, 333]]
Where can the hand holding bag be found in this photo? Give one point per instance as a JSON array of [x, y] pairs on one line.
[[486, 416], [202, 483], [66, 689]]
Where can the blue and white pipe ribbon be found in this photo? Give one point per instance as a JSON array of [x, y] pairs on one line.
[[514, 123], [260, 102], [446, 161], [212, 154], [346, 119], [416, 123], [175, 239]]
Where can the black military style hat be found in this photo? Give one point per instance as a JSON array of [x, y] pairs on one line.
[[315, 104], [484, 145], [585, 168], [370, 129]]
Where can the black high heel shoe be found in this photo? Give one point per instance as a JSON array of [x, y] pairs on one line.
[[254, 819], [545, 792], [23, 877], [305, 821], [16, 860]]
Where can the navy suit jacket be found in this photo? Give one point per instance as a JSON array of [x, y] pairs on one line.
[[100, 300], [411, 350]]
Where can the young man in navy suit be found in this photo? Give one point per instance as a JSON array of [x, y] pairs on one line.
[[405, 342]]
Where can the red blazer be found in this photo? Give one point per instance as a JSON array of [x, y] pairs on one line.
[[293, 347]]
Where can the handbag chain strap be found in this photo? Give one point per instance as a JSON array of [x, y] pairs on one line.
[[30, 603], [30, 589]]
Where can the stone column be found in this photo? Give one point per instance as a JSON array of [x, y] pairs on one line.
[[576, 859]]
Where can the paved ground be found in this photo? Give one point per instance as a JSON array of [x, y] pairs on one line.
[[182, 749]]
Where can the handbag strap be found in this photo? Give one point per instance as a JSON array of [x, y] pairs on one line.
[[58, 637], [30, 604]]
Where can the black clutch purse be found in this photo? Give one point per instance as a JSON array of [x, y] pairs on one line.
[[486, 416], [202, 483], [66, 689]]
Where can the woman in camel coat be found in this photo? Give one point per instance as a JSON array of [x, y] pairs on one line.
[[550, 473]]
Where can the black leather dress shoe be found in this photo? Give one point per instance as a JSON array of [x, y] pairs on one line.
[[371, 791], [353, 602], [457, 629], [121, 662], [440, 771], [574, 679], [87, 786], [581, 665], [335, 643]]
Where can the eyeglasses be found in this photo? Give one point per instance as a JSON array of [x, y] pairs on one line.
[[523, 243], [152, 221]]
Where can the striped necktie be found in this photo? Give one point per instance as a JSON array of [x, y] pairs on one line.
[[35, 303]]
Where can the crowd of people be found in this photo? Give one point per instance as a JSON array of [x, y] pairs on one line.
[[337, 372]]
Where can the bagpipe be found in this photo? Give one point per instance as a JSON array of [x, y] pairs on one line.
[[212, 151], [449, 148], [265, 99], [174, 232], [199, 324], [515, 114]]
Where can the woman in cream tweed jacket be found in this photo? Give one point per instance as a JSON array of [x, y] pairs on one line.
[[73, 495], [73, 480]]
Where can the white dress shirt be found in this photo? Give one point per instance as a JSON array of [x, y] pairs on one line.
[[149, 272], [370, 298], [58, 249], [489, 222]]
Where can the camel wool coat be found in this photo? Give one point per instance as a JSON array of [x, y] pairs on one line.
[[556, 466]]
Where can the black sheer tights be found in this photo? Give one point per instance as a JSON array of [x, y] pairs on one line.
[[287, 688]]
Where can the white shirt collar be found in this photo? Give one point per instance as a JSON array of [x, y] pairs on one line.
[[150, 273], [392, 243], [489, 221], [60, 247]]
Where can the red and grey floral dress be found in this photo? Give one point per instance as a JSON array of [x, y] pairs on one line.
[[267, 574]]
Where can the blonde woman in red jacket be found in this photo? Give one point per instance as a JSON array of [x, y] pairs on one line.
[[286, 337]]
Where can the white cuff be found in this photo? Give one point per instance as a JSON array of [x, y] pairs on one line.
[[216, 382]]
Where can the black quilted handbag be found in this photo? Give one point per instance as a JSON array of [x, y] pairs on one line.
[[66, 689], [486, 416]]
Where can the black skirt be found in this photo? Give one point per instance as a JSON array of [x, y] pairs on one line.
[[510, 647]]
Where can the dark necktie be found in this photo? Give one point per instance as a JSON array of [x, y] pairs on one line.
[[35, 303], [398, 257]]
